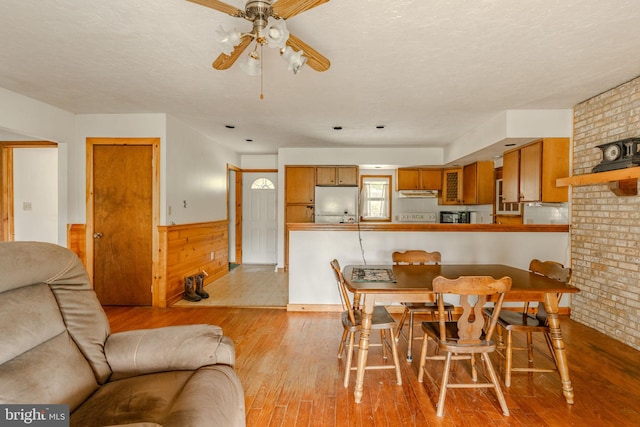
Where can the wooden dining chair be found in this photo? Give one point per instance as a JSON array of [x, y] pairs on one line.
[[412, 308], [523, 321], [352, 324], [466, 337]]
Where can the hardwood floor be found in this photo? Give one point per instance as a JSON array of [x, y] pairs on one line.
[[288, 366]]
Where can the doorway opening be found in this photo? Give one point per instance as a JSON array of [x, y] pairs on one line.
[[29, 188]]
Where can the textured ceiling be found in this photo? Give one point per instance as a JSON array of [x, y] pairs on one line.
[[428, 70]]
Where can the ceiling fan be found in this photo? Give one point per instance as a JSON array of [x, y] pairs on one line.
[[268, 19]]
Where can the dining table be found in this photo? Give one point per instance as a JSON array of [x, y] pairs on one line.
[[384, 284]]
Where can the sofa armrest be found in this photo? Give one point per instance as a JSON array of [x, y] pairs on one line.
[[171, 348]]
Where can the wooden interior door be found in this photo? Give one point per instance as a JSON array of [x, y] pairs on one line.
[[122, 223]]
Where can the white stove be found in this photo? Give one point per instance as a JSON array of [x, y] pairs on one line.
[[424, 217]]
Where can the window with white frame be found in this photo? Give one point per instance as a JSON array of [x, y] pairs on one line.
[[375, 198]]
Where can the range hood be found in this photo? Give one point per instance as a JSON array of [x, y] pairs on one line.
[[405, 194]]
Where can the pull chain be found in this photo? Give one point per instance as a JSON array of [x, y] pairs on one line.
[[261, 75]]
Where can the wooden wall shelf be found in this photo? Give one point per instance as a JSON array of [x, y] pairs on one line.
[[623, 182]]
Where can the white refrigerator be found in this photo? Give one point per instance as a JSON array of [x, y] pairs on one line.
[[336, 205]]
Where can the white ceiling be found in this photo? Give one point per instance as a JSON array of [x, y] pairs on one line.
[[430, 71]]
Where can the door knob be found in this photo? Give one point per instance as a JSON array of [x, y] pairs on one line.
[[97, 235]]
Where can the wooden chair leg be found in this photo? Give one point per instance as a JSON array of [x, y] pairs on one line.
[[496, 383], [530, 348], [396, 358], [350, 348], [508, 360], [474, 369], [403, 318], [547, 338], [382, 341], [444, 385], [423, 358], [500, 338], [410, 338], [345, 333]]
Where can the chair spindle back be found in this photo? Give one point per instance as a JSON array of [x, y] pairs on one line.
[[474, 292], [416, 257]]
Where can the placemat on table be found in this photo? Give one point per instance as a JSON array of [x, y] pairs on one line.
[[372, 274]]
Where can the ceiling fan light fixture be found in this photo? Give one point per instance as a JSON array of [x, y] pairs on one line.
[[252, 65], [295, 59], [227, 39], [277, 33]]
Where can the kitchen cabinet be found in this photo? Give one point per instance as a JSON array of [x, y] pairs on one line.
[[419, 179], [477, 184], [300, 213], [530, 172], [337, 175], [300, 184], [469, 185], [452, 186]]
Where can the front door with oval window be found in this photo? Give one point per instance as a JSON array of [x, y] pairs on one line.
[[259, 218]]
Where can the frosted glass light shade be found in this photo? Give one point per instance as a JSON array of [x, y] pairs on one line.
[[293, 58], [227, 39], [277, 33], [252, 65]]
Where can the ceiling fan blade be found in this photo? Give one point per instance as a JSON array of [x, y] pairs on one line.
[[219, 6], [287, 8], [314, 59], [225, 61]]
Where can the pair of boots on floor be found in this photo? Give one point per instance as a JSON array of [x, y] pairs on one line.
[[194, 291]]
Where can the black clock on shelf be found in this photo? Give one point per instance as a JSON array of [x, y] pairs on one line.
[[619, 155]]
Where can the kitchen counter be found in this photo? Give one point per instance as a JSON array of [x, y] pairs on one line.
[[387, 226]]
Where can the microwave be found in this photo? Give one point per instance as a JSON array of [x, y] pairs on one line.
[[455, 217]]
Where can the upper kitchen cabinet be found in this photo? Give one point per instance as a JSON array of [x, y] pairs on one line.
[[419, 179], [530, 172], [337, 175], [300, 182], [477, 184], [470, 185], [452, 186]]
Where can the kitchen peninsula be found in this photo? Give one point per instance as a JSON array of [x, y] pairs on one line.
[[312, 246]]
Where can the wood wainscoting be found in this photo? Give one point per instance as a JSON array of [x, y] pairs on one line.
[[189, 249], [77, 241], [184, 250]]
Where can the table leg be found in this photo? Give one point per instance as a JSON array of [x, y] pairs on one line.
[[363, 350], [551, 305]]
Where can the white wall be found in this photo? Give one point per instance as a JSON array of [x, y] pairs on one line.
[[37, 120], [26, 116], [519, 125], [35, 194], [311, 280], [259, 161], [196, 173]]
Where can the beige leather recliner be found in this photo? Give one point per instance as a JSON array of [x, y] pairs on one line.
[[56, 348]]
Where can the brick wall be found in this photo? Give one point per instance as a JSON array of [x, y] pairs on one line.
[[605, 229]]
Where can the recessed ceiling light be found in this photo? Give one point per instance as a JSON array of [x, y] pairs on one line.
[[230, 126], [337, 128], [248, 140], [380, 127]]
